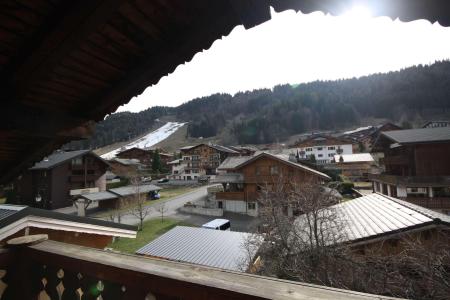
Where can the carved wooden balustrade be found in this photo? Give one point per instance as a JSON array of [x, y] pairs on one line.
[[53, 270]]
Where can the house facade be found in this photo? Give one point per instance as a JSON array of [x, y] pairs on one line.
[[417, 166], [52, 183], [323, 148], [244, 177], [355, 167], [199, 160], [145, 156]]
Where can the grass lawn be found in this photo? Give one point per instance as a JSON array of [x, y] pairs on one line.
[[152, 229], [170, 192]]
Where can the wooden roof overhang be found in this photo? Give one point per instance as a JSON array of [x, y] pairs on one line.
[[66, 64]]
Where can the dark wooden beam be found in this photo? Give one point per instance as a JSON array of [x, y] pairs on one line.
[[81, 20]]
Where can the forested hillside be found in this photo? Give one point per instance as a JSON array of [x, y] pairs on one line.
[[267, 115]]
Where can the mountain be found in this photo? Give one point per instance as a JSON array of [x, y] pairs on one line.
[[268, 115]]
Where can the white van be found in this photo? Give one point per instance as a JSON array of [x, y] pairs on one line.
[[218, 224]]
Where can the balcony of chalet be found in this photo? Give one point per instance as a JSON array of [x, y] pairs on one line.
[[413, 181], [54, 270], [230, 196]]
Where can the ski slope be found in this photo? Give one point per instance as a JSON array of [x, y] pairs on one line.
[[148, 140]]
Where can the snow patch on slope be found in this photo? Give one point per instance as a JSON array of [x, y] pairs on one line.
[[148, 140]]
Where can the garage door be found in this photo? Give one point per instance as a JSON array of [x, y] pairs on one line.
[[235, 206]]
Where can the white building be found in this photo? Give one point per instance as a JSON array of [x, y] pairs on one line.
[[324, 148]]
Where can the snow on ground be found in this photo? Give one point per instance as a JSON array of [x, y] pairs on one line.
[[148, 140], [358, 129]]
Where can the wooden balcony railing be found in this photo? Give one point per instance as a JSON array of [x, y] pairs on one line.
[[53, 270], [230, 196], [432, 203], [413, 181]]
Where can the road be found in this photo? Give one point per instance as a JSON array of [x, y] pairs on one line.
[[171, 205]]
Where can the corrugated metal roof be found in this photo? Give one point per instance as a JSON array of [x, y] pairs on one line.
[[357, 157], [100, 196], [57, 158], [131, 189], [214, 248], [374, 215], [420, 135]]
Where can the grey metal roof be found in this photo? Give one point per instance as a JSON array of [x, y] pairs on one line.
[[224, 149], [127, 161], [377, 215], [99, 196], [214, 248], [57, 158], [420, 135], [131, 189]]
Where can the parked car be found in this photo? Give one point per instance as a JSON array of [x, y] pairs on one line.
[[163, 180], [154, 195], [203, 179], [146, 179]]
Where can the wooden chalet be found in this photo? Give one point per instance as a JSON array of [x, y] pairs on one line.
[[417, 166], [65, 65], [244, 177], [145, 156], [53, 182], [200, 160]]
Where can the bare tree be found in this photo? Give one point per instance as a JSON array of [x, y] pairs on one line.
[[139, 209], [162, 209], [305, 239]]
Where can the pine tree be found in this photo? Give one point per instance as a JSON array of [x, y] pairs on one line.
[[156, 162]]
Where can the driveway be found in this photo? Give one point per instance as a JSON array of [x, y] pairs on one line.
[[171, 206], [239, 222]]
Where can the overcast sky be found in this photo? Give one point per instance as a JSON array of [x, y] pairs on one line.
[[295, 48]]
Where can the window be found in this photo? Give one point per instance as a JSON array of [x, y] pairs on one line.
[[308, 149], [320, 155], [251, 205], [273, 170], [331, 154], [219, 204], [77, 161], [257, 170], [319, 148], [331, 148]]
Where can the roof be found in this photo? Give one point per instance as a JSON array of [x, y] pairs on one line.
[[14, 218], [207, 247], [284, 159], [214, 146], [232, 162], [323, 140], [375, 216], [420, 135], [99, 196], [356, 157], [59, 158], [174, 162], [127, 161], [131, 189], [77, 61]]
